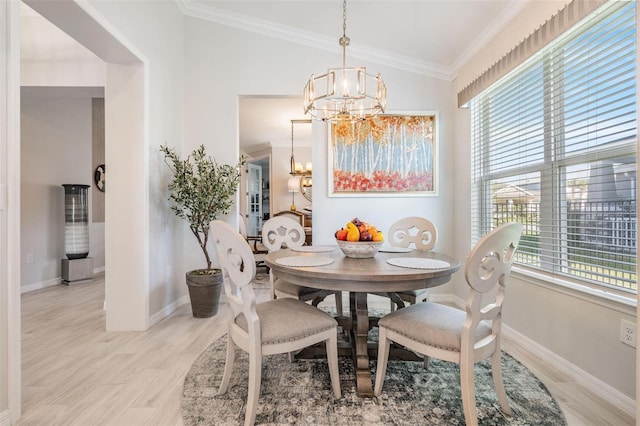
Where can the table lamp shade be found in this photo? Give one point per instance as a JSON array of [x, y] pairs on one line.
[[293, 184]]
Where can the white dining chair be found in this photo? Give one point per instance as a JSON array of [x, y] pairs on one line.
[[412, 232], [279, 232], [454, 335], [273, 327]]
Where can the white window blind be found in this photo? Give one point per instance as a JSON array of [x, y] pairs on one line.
[[554, 148]]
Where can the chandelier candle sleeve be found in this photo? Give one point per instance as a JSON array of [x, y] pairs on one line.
[[298, 168], [76, 221]]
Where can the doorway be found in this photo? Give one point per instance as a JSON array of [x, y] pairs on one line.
[[258, 194], [128, 79], [264, 130]]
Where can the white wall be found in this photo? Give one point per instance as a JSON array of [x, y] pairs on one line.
[[223, 63], [579, 328], [143, 109], [150, 95], [156, 235], [55, 150]]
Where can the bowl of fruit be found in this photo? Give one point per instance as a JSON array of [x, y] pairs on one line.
[[359, 239]]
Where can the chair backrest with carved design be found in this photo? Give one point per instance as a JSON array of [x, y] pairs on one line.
[[239, 268], [413, 230], [488, 266], [281, 231]]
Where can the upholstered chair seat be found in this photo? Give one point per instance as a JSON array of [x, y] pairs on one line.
[[432, 324], [286, 289], [280, 321]]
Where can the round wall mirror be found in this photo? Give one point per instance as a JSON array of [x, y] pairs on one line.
[[306, 185], [98, 177]]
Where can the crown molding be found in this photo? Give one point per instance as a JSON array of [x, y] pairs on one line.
[[486, 36], [295, 35]]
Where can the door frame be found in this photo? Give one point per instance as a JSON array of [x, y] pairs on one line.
[[252, 165], [10, 309]]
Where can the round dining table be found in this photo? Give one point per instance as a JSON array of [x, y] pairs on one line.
[[327, 268]]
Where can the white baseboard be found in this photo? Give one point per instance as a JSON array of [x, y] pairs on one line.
[[5, 418], [591, 383], [40, 285], [167, 310], [49, 283]]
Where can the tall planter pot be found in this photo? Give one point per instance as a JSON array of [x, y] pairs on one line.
[[76, 221], [204, 292]]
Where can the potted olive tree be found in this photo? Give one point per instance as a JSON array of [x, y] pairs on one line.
[[200, 191]]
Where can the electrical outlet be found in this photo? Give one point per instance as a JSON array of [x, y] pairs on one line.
[[628, 333], [169, 272], [29, 257]]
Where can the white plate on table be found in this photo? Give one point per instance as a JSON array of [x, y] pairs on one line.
[[304, 261], [314, 249], [418, 263], [390, 249]]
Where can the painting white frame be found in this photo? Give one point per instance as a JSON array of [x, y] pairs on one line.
[[397, 165]]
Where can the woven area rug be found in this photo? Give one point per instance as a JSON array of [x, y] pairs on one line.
[[300, 393]]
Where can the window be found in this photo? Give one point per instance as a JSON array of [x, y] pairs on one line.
[[554, 148]]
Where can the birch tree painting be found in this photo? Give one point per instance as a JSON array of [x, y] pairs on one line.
[[388, 154]]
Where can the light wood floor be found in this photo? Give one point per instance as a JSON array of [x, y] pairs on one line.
[[75, 373]]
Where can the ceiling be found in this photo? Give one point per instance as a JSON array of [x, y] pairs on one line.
[[429, 37], [411, 34]]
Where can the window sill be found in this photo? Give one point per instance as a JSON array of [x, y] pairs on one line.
[[609, 299]]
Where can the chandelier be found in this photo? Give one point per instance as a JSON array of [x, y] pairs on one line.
[[341, 93], [297, 169], [299, 176]]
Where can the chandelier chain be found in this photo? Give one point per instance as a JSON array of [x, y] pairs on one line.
[[344, 40], [344, 18], [293, 161]]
